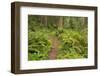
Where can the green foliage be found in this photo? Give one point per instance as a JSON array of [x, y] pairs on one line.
[[38, 45], [77, 23], [72, 37], [73, 44]]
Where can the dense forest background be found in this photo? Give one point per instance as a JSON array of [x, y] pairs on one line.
[[57, 37]]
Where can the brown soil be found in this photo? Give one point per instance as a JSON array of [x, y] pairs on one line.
[[53, 52]]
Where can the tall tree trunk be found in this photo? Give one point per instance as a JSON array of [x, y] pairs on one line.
[[45, 20], [41, 20], [71, 22], [84, 22], [60, 22]]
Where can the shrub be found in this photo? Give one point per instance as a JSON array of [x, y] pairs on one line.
[[73, 44], [38, 45]]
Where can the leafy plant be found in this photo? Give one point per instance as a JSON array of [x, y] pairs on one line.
[[71, 33], [73, 44], [38, 45]]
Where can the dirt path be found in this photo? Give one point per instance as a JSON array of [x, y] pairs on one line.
[[53, 52]]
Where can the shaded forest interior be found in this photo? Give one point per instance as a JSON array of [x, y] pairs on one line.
[[57, 37]]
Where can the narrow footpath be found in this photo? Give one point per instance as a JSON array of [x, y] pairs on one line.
[[53, 52]]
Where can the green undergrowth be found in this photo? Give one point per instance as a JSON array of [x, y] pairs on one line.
[[73, 44]]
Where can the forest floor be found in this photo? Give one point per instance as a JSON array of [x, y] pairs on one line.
[[55, 44]]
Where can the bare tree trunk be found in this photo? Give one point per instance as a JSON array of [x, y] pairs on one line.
[[41, 20], [45, 20], [60, 22]]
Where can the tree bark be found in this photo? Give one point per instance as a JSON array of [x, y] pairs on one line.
[[41, 21], [45, 20], [60, 22]]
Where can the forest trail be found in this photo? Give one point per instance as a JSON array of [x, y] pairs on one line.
[[55, 43]]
